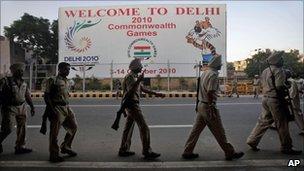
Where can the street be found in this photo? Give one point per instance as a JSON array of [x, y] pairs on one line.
[[170, 121]]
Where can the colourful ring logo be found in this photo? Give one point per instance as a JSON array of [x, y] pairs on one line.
[[84, 43]]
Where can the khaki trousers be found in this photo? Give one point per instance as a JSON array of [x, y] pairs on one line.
[[134, 115], [7, 124], [271, 113], [256, 91], [215, 125], [65, 117]]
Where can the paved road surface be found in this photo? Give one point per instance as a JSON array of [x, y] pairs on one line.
[[170, 121]]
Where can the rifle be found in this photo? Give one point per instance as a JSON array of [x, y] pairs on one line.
[[198, 85], [124, 104], [283, 103], [43, 127]]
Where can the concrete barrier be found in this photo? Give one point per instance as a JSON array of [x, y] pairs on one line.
[[113, 95]]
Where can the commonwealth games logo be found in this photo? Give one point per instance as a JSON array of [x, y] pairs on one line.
[[78, 44], [142, 48]]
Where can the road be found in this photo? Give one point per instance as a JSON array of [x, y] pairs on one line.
[[170, 122]]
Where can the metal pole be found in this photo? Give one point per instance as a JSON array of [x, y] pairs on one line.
[[168, 64], [31, 75], [83, 79], [111, 72]]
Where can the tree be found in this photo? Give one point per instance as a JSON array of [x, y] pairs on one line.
[[230, 66], [37, 34], [257, 63]]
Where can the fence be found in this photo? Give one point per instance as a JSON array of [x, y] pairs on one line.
[[102, 77]]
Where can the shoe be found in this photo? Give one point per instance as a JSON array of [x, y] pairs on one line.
[[254, 148], [126, 153], [56, 159], [236, 155], [190, 156], [1, 149], [151, 155], [291, 152], [22, 150], [71, 153]]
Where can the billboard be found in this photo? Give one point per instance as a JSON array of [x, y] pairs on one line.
[[169, 39]]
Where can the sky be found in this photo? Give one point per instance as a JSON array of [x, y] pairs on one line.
[[250, 24]]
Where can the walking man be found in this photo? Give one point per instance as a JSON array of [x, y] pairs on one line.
[[14, 94], [256, 86], [208, 114], [56, 97], [132, 84], [234, 88], [273, 83]]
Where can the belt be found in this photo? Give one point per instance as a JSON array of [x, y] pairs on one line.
[[271, 97], [60, 103], [206, 102]]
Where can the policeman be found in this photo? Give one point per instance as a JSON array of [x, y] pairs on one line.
[[295, 100], [56, 97], [234, 88], [208, 114], [272, 111], [13, 95], [131, 83], [256, 86]]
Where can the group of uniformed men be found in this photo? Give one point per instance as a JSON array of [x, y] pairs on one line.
[[15, 94]]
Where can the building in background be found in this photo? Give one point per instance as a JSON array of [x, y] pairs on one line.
[[4, 56]]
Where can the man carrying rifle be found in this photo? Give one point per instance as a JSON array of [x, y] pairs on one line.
[[56, 97], [295, 101], [208, 114], [275, 108], [132, 87]]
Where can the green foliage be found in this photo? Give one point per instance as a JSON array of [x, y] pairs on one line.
[[257, 63], [35, 34], [230, 66], [93, 84]]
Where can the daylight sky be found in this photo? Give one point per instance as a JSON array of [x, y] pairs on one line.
[[250, 24]]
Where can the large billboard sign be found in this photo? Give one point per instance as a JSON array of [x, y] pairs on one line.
[[157, 34]]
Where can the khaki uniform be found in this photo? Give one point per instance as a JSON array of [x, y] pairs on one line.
[[271, 111], [209, 82], [58, 89], [256, 87], [13, 106], [234, 88], [134, 115], [295, 99]]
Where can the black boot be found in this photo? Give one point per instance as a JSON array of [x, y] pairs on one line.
[[22, 150], [235, 156], [151, 155], [56, 159], [190, 156]]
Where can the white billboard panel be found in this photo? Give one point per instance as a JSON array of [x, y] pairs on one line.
[[155, 33]]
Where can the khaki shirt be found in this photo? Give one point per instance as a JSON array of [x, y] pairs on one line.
[[234, 83], [294, 95], [13, 94], [128, 83], [209, 82], [280, 77], [256, 82], [58, 89]]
